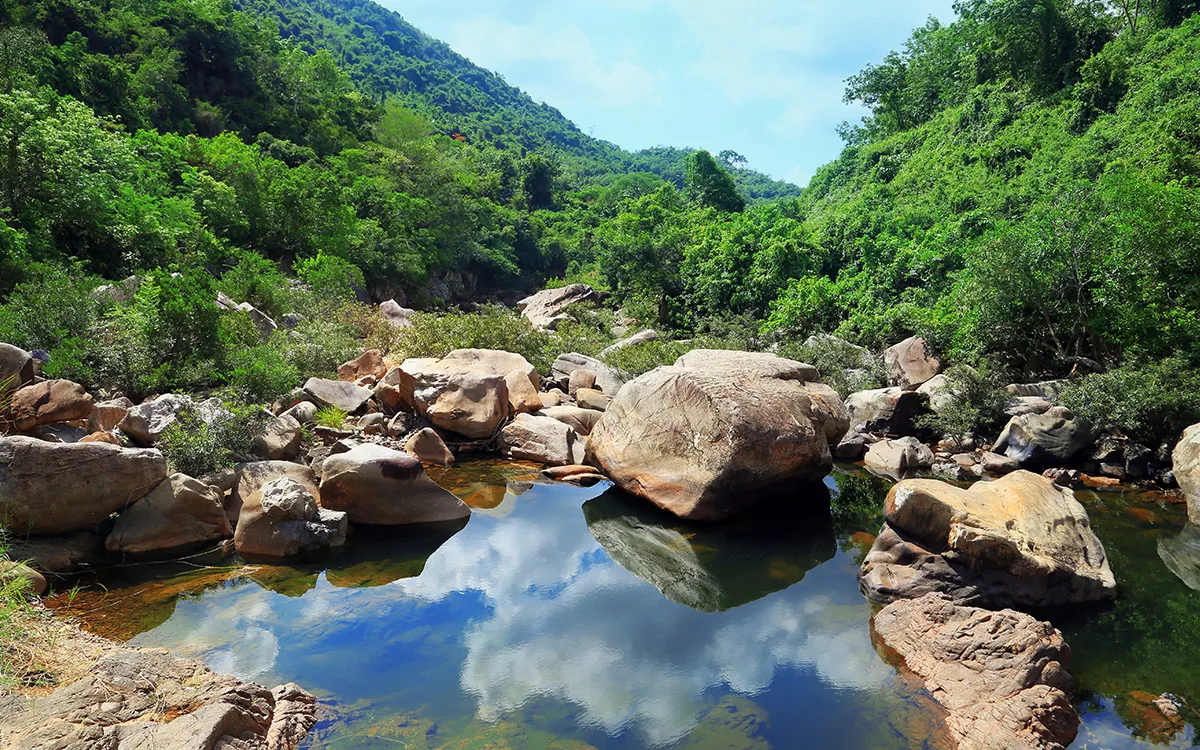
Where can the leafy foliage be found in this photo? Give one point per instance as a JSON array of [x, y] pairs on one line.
[[196, 446], [1149, 401]]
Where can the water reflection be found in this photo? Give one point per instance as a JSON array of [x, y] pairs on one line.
[[714, 567], [1181, 554]]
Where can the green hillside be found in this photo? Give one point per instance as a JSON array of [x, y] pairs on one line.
[[388, 57]]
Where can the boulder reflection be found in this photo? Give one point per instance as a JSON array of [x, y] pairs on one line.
[[715, 568], [1181, 555]]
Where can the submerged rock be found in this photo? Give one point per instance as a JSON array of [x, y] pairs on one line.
[[55, 488], [379, 486], [1001, 677], [706, 443], [1020, 541], [178, 513]]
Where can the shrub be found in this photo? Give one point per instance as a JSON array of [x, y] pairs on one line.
[[493, 327], [197, 447], [258, 281], [262, 373], [843, 366], [319, 344], [331, 277], [331, 417], [53, 305], [1151, 402], [975, 403]]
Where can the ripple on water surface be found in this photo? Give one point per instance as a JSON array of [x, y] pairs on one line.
[[559, 617]]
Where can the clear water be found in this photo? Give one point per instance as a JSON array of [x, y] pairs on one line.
[[559, 617]]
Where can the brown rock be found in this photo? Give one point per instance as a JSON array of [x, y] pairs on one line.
[[369, 363], [48, 402], [54, 488], [281, 518], [608, 379], [1186, 459], [590, 398], [102, 437], [106, 416], [427, 445], [540, 439], [553, 397], [911, 363], [900, 455], [1019, 541], [179, 512], [146, 422], [706, 443], [348, 397], [16, 368], [583, 421], [580, 379], [280, 438], [35, 582], [891, 409], [1001, 677], [379, 486]]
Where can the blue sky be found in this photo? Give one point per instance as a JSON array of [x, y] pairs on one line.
[[761, 77]]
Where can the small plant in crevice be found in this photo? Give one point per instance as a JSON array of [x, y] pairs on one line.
[[331, 417]]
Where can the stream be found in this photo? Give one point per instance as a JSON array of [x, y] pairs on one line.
[[561, 617]]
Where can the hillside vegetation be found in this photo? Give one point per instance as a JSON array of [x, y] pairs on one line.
[[1024, 194]]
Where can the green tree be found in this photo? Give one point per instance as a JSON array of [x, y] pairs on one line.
[[710, 186]]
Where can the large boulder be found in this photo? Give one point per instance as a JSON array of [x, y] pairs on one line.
[[547, 308], [890, 410], [179, 512], [16, 368], [369, 363], [337, 393], [279, 439], [1045, 440], [280, 515], [54, 488], [937, 393], [542, 439], [911, 363], [608, 379], [520, 377], [1181, 554], [1186, 459], [1000, 677], [469, 391], [1020, 541], [396, 315], [900, 455], [380, 486], [706, 443], [146, 422], [48, 402], [583, 421], [748, 364]]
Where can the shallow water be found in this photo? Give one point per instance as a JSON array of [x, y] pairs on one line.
[[559, 617]]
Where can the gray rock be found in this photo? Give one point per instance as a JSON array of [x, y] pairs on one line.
[[547, 308], [16, 368], [544, 440], [106, 416], [280, 517], [608, 379], [348, 397], [641, 337], [397, 316], [1045, 440], [890, 410], [900, 455], [179, 512], [1186, 468], [280, 438], [55, 488], [304, 412], [146, 422], [263, 322]]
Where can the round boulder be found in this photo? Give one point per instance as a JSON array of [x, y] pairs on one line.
[[179, 512], [380, 486]]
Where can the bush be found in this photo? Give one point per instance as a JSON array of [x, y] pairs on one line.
[[319, 344], [844, 367], [53, 305], [493, 327], [1151, 402], [258, 281], [331, 277], [262, 373], [196, 447], [642, 358], [975, 403], [331, 417]]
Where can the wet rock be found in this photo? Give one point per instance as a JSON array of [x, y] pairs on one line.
[[547, 308], [1000, 676], [146, 422], [1181, 554], [1045, 440], [16, 368], [395, 315], [892, 409], [427, 445], [122, 700], [900, 455], [590, 398], [48, 402], [1186, 467], [180, 512], [281, 518], [911, 363], [348, 397], [707, 443], [380, 486], [54, 488], [543, 440], [1137, 460], [608, 379], [369, 362], [572, 472], [1019, 541]]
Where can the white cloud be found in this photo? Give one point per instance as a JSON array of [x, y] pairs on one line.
[[575, 71]]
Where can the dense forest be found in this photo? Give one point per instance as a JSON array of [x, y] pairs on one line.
[[1025, 192]]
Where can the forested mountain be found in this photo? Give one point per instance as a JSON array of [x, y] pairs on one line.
[[1025, 193], [388, 57]]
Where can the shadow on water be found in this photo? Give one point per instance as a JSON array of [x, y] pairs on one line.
[[714, 567]]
